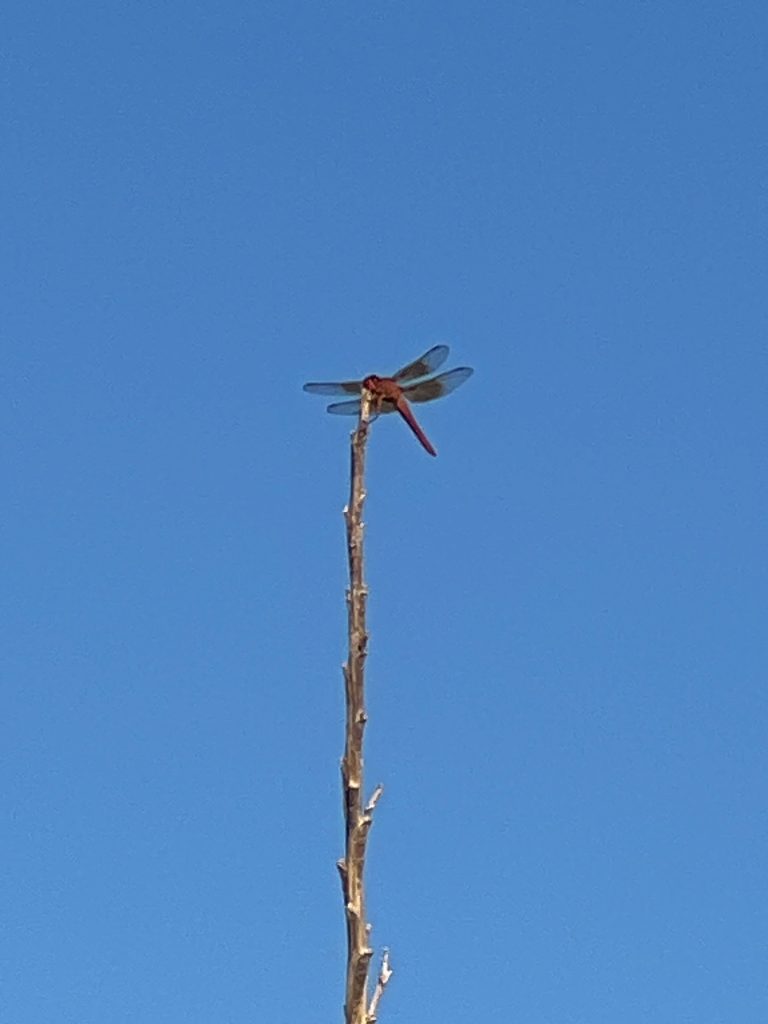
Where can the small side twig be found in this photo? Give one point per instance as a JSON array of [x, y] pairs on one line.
[[385, 973], [357, 818]]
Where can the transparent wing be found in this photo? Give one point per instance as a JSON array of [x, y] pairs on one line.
[[438, 386], [353, 409], [345, 408], [345, 387], [425, 364]]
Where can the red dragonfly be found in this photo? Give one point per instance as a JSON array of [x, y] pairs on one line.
[[392, 394]]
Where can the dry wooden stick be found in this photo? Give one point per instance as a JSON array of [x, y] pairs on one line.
[[357, 817]]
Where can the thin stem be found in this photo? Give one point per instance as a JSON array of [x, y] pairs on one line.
[[357, 819]]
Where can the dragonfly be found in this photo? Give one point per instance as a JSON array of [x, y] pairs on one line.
[[395, 393]]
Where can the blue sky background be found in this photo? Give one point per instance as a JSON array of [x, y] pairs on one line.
[[205, 205]]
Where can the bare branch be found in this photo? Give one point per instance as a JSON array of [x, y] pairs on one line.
[[357, 818]]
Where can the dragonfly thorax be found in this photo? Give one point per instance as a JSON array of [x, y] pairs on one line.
[[382, 387]]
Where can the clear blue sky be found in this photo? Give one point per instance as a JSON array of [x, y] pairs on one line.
[[204, 206]]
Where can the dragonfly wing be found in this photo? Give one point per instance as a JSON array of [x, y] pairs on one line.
[[353, 408], [345, 408], [425, 364], [444, 384], [345, 387]]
